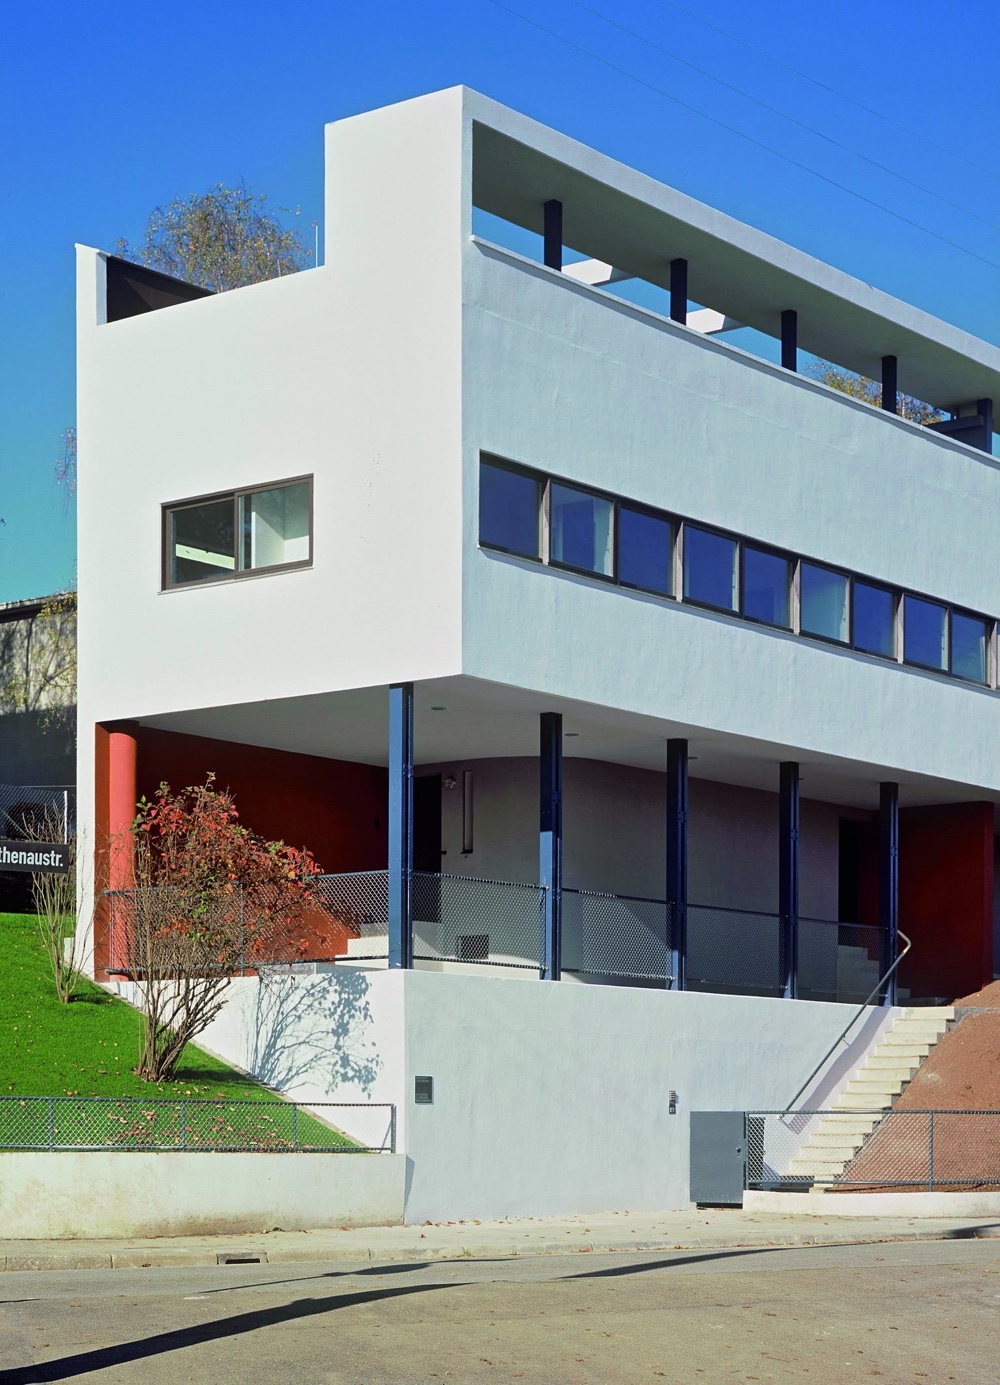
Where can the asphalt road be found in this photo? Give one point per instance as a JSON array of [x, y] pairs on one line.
[[917, 1312]]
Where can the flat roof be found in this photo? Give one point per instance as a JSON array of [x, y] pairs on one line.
[[614, 213]]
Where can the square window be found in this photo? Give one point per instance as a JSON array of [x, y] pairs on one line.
[[645, 551], [925, 633], [201, 542], [970, 643], [874, 619], [709, 568], [766, 586], [823, 597], [580, 529], [275, 526], [509, 510]]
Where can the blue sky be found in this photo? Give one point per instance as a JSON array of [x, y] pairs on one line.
[[106, 111]]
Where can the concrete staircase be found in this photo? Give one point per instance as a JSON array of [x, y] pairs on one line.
[[837, 1137]]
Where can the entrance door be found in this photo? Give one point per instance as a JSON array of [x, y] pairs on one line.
[[427, 858]]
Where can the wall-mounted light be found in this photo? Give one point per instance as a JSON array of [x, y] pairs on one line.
[[466, 812], [672, 1103], [449, 781]]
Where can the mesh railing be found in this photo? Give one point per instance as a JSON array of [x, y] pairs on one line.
[[359, 900], [127, 1123], [30, 811], [884, 1150], [838, 961], [460, 918], [733, 951], [616, 935]]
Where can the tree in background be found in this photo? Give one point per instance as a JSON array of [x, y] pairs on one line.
[[870, 391], [212, 900], [66, 465], [222, 239]]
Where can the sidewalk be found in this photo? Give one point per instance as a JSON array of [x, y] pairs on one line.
[[709, 1228]]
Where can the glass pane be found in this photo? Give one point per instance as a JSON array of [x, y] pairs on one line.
[[509, 506], [580, 527], [709, 568], [202, 541], [765, 586], [645, 551], [275, 526], [924, 633], [874, 619], [969, 646], [824, 602]]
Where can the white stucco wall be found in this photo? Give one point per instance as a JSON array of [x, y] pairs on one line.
[[614, 822], [107, 1194], [548, 1098], [552, 1099], [561, 378]]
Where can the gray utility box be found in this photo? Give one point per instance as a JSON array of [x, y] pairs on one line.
[[719, 1157]]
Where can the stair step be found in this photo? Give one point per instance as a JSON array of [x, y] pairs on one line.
[[907, 1043], [880, 1081], [892, 1062], [829, 1153], [851, 1101], [842, 1122], [918, 1026], [833, 1139], [946, 1012]]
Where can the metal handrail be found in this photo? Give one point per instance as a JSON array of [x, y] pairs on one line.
[[853, 1021]]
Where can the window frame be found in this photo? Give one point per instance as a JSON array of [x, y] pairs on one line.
[[172, 507], [848, 641], [735, 611], [895, 594], [944, 670], [542, 480], [560, 564], [793, 563], [672, 523], [987, 680]]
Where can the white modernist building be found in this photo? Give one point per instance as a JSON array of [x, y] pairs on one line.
[[579, 645]]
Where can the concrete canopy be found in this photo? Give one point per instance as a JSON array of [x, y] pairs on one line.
[[615, 214]]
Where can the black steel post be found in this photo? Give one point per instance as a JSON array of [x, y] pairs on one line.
[[679, 291], [553, 234], [677, 857], [550, 842], [788, 875], [888, 883], [890, 389], [790, 339], [401, 825]]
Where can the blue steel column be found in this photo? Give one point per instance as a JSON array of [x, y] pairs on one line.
[[788, 875], [401, 825], [677, 857], [888, 883], [550, 843]]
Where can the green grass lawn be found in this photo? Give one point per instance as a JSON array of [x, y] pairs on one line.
[[89, 1049]]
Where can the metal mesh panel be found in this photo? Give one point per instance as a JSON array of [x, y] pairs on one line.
[[733, 951], [272, 1127], [463, 919], [838, 961], [30, 811], [359, 900], [852, 1150], [616, 935]]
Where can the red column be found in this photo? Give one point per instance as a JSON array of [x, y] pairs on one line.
[[121, 806]]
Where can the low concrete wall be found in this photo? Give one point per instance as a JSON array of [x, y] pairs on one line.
[[116, 1194], [876, 1204]]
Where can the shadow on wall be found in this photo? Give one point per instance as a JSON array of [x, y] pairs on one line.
[[312, 1031]]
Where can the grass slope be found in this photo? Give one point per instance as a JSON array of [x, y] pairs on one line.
[[87, 1048]]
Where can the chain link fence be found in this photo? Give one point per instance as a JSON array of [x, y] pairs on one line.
[[734, 951], [616, 935], [873, 1150], [135, 1123], [29, 812], [359, 901], [838, 961], [458, 918]]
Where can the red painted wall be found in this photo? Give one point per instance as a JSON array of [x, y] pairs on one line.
[[336, 809], [945, 896]]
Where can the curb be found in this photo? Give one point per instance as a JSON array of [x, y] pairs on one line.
[[163, 1258]]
